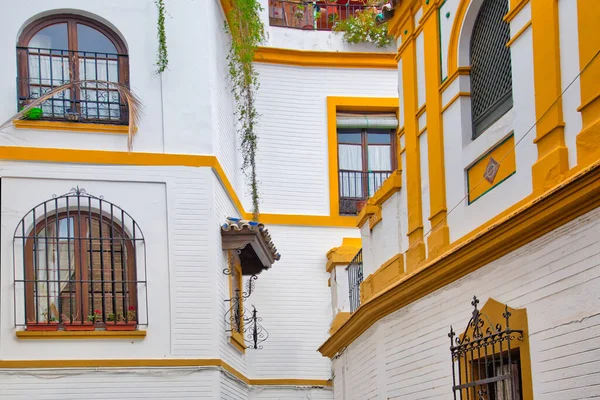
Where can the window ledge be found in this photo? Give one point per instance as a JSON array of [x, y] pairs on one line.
[[70, 126], [81, 334]]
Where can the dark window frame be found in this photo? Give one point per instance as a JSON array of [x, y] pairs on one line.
[[72, 20]]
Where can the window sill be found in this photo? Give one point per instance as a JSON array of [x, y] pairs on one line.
[[70, 126], [80, 335], [237, 340]]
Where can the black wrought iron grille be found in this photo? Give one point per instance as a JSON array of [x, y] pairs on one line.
[[41, 70], [308, 15], [356, 187], [355, 278], [485, 365], [78, 260], [491, 71]]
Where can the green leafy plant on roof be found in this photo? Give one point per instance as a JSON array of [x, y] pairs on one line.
[[363, 28]]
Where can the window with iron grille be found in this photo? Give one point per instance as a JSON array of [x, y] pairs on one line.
[[77, 264], [486, 358], [491, 71], [59, 49], [366, 158]]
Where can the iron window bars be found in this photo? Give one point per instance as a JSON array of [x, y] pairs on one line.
[[77, 260], [491, 71], [484, 365], [358, 186], [355, 278], [41, 70]]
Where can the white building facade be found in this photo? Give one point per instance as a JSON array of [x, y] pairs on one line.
[[97, 240]]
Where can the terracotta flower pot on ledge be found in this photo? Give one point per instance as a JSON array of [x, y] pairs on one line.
[[121, 326], [79, 326], [42, 326]]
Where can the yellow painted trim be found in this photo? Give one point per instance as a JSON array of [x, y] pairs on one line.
[[532, 218], [421, 110], [503, 152], [412, 154], [422, 131], [365, 214], [515, 8], [70, 126], [335, 104], [588, 140], [518, 34], [343, 254], [339, 320], [389, 273], [235, 266], [390, 186], [53, 155], [53, 335], [329, 59], [375, 218], [456, 97], [459, 16], [461, 71], [162, 362], [401, 13], [552, 163]]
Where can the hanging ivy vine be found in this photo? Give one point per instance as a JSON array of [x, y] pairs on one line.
[[247, 33], [162, 59]]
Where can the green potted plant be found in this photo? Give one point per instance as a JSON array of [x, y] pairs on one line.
[[362, 27], [72, 324], [49, 323], [299, 12], [118, 323]]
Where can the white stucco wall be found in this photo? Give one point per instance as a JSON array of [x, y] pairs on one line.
[[406, 355]]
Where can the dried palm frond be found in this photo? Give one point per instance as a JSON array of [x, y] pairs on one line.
[[133, 102]]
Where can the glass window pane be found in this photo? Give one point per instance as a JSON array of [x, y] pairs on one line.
[[350, 157], [380, 158], [51, 37], [379, 136], [89, 39], [349, 136]]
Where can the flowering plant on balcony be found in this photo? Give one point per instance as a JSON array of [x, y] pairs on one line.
[[363, 28]]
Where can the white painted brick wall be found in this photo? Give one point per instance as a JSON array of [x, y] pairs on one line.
[[116, 384], [555, 277], [292, 143], [299, 393], [295, 303]]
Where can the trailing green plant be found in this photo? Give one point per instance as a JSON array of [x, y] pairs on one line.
[[162, 57], [247, 33], [362, 28]]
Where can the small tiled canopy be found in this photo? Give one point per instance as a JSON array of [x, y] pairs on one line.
[[256, 249]]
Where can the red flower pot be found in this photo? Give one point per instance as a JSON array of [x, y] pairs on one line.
[[79, 326], [42, 326], [121, 326], [360, 205]]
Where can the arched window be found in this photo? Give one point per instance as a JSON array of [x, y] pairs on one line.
[[491, 79], [80, 263], [58, 49]]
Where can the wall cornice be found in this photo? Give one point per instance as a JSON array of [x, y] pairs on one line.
[[331, 59], [536, 216]]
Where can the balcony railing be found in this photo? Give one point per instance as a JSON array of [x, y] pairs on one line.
[[356, 187], [317, 15], [355, 278], [41, 70]]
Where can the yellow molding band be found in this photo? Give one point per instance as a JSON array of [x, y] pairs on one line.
[[412, 149], [390, 186], [53, 155], [163, 362], [70, 126], [343, 254], [552, 163], [331, 59], [421, 110], [375, 218], [588, 140], [365, 214], [456, 97], [54, 335], [459, 16], [535, 216], [465, 71], [515, 8], [518, 34]]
